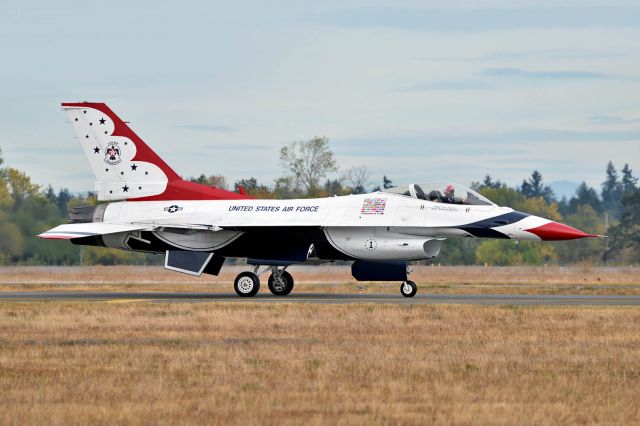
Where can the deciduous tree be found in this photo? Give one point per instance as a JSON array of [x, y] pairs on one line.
[[357, 178], [309, 162]]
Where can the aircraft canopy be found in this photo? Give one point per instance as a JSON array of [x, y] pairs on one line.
[[449, 193]]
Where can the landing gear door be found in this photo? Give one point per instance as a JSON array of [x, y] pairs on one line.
[[187, 262]]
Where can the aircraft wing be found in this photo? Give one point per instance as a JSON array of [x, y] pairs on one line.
[[78, 230], [160, 226]]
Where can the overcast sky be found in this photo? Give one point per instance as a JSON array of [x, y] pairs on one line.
[[417, 90]]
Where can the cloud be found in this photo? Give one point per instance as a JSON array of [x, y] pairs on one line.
[[544, 75], [514, 142], [470, 20], [82, 176], [236, 147], [447, 85], [40, 150], [553, 54], [207, 128], [612, 119], [534, 53]]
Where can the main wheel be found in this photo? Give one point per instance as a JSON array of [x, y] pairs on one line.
[[408, 289], [282, 286], [247, 284]]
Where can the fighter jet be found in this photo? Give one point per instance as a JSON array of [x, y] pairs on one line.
[[149, 208]]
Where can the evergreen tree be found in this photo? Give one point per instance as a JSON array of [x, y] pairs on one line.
[[625, 237], [333, 187], [534, 187], [386, 182], [253, 188], [488, 182], [585, 196], [50, 194], [612, 190], [629, 182], [62, 199]]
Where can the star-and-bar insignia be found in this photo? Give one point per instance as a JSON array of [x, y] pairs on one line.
[[172, 209]]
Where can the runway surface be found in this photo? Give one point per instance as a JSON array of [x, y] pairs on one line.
[[471, 299]]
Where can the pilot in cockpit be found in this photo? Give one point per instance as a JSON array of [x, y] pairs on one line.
[[449, 195]]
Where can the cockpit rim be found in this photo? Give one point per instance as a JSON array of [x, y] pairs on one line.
[[417, 191]]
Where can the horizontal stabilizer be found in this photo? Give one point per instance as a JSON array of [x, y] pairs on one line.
[[79, 230]]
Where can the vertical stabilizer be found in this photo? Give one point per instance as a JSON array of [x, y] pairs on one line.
[[124, 166]]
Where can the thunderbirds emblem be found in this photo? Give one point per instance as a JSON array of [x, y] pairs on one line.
[[112, 154]]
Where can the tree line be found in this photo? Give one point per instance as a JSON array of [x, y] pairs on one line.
[[310, 169]]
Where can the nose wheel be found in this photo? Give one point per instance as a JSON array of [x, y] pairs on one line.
[[408, 289]]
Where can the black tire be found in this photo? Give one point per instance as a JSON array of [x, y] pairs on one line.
[[288, 287], [247, 284], [405, 286]]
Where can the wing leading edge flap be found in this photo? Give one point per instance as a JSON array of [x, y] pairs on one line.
[[69, 231]]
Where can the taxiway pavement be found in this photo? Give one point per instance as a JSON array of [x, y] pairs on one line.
[[470, 299]]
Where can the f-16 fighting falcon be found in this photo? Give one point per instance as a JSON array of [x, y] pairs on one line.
[[149, 208]]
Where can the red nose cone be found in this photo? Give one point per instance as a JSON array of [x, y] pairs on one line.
[[554, 231]]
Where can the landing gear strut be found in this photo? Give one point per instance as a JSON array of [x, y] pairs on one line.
[[247, 284], [408, 289]]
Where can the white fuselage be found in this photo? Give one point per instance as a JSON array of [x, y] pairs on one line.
[[374, 226]]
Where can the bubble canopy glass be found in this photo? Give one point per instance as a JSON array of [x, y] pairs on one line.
[[438, 192]]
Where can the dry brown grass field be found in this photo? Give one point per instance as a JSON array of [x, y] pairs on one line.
[[249, 363], [332, 279]]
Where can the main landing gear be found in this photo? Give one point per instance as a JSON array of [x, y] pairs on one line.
[[247, 284], [408, 289]]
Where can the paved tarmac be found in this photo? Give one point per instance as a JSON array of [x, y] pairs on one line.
[[469, 299]]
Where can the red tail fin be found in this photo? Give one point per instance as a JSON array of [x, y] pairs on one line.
[[125, 167]]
